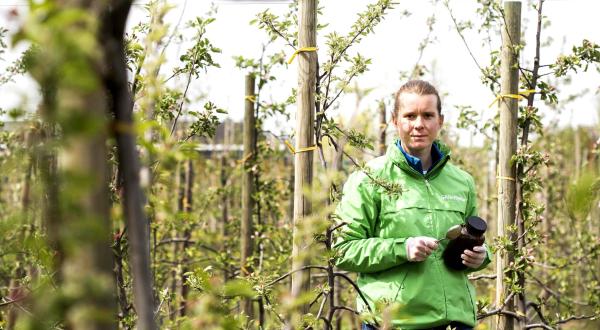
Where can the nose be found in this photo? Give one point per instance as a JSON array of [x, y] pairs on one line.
[[419, 122]]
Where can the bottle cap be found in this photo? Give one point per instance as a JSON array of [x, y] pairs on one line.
[[476, 226]]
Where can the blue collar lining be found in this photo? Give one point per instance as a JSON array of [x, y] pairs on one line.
[[414, 162]]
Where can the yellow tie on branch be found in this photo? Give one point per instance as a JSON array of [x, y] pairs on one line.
[[506, 178], [295, 151], [251, 98], [521, 95], [300, 50], [245, 159], [122, 127]]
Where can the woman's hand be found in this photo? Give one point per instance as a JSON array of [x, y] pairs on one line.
[[420, 247], [474, 258]]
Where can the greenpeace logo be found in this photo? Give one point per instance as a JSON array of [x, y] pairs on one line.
[[453, 198]]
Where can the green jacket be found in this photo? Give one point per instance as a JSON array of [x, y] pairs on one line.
[[378, 223]]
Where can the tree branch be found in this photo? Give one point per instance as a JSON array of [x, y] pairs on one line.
[[574, 318], [499, 310], [8, 302], [336, 308], [538, 325], [347, 278], [462, 37], [482, 276], [282, 277]]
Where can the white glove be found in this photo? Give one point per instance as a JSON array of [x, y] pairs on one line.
[[420, 247], [475, 258]]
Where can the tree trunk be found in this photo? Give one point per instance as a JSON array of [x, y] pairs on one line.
[[509, 74], [84, 226], [303, 161], [15, 290], [248, 180], [338, 165], [113, 26], [77, 208], [50, 204]]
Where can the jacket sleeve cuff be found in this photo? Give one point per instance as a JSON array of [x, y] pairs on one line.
[[400, 249]]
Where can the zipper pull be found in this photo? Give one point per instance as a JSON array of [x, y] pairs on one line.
[[427, 184]]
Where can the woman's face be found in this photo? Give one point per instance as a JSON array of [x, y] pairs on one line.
[[418, 122]]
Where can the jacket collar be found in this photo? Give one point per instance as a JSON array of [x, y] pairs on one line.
[[415, 162], [397, 156]]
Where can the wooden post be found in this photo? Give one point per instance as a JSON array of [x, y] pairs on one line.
[[224, 179], [578, 150], [488, 183], [224, 206], [509, 74], [303, 161], [287, 164], [176, 273], [382, 127], [247, 228], [187, 234]]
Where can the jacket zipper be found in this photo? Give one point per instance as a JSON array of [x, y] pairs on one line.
[[471, 299], [436, 261], [401, 287], [426, 178]]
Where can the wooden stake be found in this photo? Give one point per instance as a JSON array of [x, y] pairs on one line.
[[509, 74], [187, 234], [303, 161], [247, 228]]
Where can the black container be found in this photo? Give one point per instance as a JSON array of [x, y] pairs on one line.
[[471, 235]]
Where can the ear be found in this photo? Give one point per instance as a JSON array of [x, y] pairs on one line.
[[394, 118], [441, 120]]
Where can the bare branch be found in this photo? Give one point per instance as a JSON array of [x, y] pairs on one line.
[[537, 308], [423, 45], [284, 276], [326, 104], [185, 240], [555, 294], [581, 317], [482, 276], [500, 310], [329, 326], [316, 299], [338, 226], [347, 278], [321, 307], [538, 325], [462, 37], [8, 302], [337, 308]]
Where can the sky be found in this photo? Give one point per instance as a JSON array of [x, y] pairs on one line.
[[392, 48]]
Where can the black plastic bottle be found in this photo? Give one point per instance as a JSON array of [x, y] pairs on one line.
[[471, 235]]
